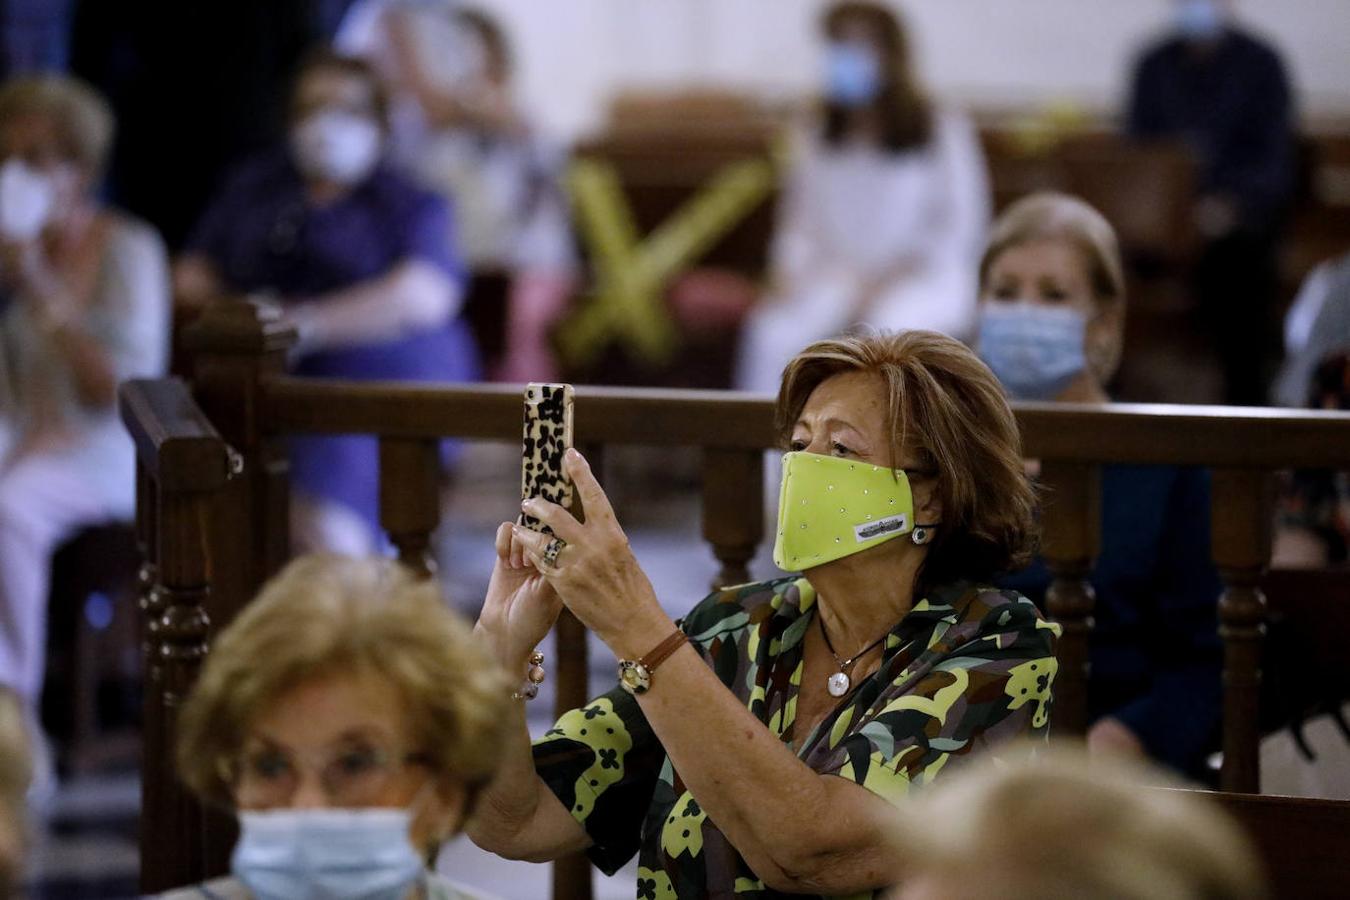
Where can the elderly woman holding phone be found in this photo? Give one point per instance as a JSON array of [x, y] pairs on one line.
[[758, 745]]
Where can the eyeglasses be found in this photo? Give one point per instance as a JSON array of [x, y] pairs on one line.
[[354, 775]]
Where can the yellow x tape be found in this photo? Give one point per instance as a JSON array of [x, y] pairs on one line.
[[631, 275]]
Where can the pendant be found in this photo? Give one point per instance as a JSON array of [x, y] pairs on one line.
[[838, 684]]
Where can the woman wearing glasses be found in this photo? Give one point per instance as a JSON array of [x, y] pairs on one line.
[[348, 718]]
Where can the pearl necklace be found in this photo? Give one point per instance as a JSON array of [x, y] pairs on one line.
[[839, 683]]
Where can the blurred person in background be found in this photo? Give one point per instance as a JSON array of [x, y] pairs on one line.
[[1314, 508], [458, 130], [1058, 827], [1225, 94], [348, 719], [16, 774], [84, 305], [360, 261], [196, 87], [1051, 325], [884, 208]]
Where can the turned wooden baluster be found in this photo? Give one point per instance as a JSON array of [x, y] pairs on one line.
[[733, 510], [177, 646], [410, 499], [571, 675], [152, 606], [147, 577], [1240, 542], [1071, 520]]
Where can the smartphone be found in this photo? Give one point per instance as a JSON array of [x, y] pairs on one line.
[[548, 435]]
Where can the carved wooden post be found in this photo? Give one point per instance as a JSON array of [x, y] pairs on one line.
[[180, 842], [1240, 540], [151, 601], [179, 651], [572, 874], [733, 510], [234, 347], [410, 499], [1071, 520]]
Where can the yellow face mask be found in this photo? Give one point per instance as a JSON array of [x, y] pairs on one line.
[[829, 508]]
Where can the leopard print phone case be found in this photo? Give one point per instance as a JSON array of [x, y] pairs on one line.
[[548, 435]]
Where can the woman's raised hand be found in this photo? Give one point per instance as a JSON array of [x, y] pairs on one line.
[[520, 608], [595, 571]]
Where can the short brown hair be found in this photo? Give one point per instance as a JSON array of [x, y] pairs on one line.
[[325, 57], [946, 405], [1048, 215], [83, 119], [325, 614]]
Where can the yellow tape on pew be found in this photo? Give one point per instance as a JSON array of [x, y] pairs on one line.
[[631, 275]]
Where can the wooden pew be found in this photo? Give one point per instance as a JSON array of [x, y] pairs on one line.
[[213, 517], [662, 168], [1305, 844]]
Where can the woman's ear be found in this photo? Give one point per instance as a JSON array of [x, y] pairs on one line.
[[1104, 339], [441, 816], [927, 502]]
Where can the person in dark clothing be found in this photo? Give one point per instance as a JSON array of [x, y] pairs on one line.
[[1051, 317], [1225, 94], [196, 88], [34, 36]]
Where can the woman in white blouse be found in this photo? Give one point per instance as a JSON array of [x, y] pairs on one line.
[[84, 304], [884, 208]]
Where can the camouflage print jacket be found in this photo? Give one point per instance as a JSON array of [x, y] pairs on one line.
[[966, 668]]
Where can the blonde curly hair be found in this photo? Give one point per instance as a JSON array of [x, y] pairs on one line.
[[326, 614]]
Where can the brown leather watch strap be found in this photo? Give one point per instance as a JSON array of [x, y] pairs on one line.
[[661, 651]]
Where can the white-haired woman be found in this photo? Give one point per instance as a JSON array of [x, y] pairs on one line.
[[84, 301]]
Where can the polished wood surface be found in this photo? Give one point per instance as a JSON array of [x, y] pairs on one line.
[[1304, 843], [183, 466], [1069, 539]]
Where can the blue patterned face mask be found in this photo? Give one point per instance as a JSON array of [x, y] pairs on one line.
[[852, 74], [1035, 350]]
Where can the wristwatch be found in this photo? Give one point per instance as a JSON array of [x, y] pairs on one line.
[[635, 676]]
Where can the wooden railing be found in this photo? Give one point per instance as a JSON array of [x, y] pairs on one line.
[[216, 536]]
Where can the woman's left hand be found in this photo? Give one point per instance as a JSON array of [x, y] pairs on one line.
[[595, 573]]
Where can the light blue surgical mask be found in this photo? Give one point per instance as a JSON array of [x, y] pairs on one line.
[[326, 854], [1035, 350], [852, 73], [1199, 20]]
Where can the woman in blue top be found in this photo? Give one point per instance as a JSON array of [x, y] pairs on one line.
[[359, 260], [1051, 325]]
